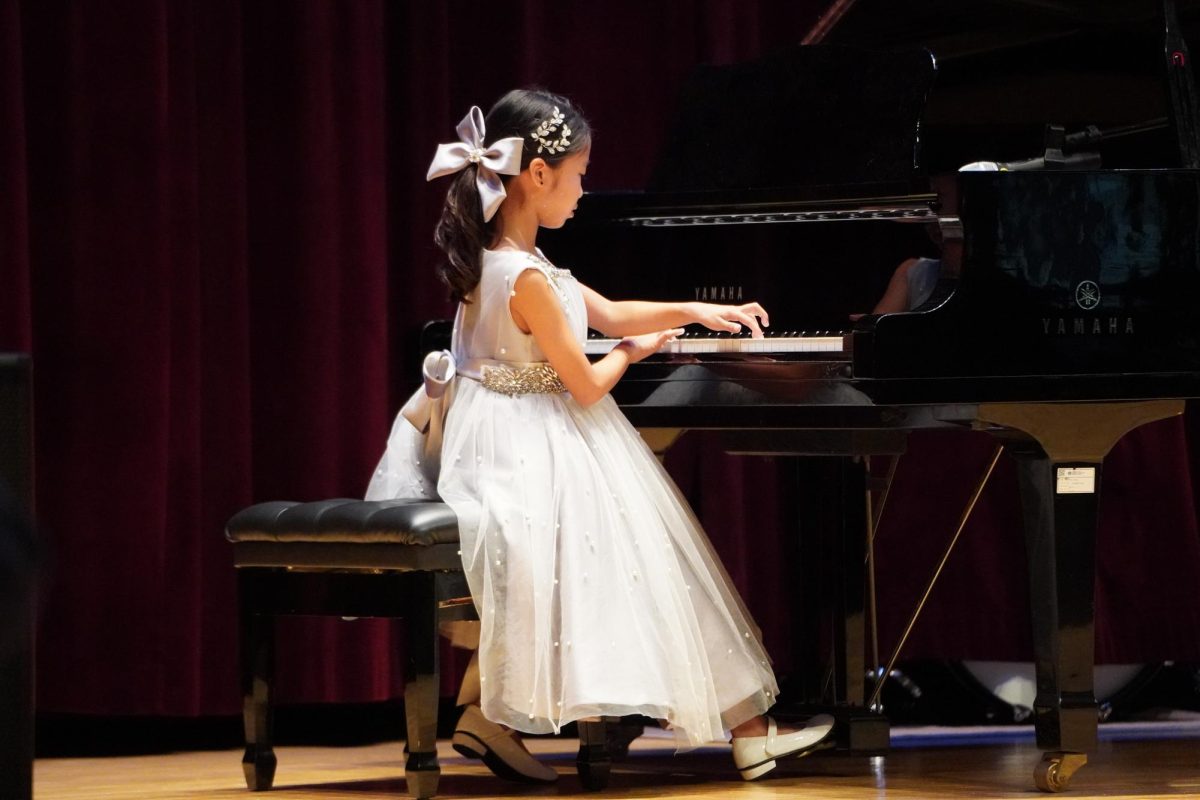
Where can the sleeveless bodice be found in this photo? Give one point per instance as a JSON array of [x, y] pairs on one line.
[[484, 327]]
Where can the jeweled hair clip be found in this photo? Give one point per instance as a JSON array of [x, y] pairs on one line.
[[549, 126]]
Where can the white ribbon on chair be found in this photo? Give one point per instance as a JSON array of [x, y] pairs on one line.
[[426, 409], [427, 404]]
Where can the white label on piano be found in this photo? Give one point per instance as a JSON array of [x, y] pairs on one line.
[[1076, 480]]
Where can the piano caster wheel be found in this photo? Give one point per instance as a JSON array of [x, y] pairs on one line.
[[1053, 773]]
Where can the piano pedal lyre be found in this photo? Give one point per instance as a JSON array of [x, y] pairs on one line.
[[874, 512], [883, 673]]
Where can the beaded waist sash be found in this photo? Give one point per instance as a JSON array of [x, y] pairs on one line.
[[514, 379]]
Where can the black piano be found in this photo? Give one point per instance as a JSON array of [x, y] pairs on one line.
[[1062, 318]]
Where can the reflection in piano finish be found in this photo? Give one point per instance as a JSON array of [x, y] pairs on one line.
[[1064, 274]]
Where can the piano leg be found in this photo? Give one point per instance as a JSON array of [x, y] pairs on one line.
[[1060, 532], [594, 761], [1059, 449]]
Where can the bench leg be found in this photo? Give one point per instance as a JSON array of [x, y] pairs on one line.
[[620, 734], [422, 682], [594, 761], [257, 664]]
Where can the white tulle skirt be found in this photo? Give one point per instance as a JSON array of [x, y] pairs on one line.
[[598, 593]]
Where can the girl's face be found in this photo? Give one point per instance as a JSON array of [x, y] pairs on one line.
[[563, 190]]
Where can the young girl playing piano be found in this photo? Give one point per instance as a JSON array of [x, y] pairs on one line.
[[597, 591]]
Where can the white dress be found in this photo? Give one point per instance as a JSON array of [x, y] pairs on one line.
[[597, 590]]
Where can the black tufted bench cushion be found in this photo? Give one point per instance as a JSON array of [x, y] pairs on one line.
[[331, 534], [347, 558]]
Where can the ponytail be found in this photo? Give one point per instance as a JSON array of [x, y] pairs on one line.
[[462, 234]]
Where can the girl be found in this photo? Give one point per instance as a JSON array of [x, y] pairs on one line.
[[597, 591]]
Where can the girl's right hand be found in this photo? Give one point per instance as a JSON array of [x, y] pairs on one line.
[[638, 347]]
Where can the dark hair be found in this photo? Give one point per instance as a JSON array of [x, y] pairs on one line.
[[461, 232]]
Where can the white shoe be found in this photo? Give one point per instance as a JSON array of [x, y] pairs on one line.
[[478, 737], [755, 756]]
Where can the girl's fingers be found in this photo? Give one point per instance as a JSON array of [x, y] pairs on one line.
[[751, 323], [760, 312]]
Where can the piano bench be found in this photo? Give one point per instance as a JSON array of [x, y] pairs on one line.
[[347, 558]]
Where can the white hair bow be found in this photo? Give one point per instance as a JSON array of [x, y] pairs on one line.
[[502, 157]]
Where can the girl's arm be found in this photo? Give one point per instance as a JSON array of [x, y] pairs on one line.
[[537, 310], [631, 317]]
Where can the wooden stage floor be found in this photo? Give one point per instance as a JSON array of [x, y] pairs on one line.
[[1134, 760]]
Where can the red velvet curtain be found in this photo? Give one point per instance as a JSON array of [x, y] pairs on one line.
[[15, 326], [215, 239]]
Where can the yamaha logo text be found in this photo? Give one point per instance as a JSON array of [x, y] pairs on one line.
[[1087, 297], [724, 294], [1087, 326]]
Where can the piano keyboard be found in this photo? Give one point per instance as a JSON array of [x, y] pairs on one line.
[[790, 342]]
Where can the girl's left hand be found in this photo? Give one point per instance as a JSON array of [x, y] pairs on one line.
[[732, 318]]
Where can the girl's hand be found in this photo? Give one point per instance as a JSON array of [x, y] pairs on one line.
[[638, 347], [732, 318]]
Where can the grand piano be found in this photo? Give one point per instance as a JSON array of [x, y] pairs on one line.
[[1062, 318]]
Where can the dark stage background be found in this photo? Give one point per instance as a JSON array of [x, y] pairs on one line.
[[215, 239]]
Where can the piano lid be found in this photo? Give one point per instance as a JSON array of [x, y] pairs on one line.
[[814, 134], [809, 133], [1007, 68], [955, 30], [804, 116]]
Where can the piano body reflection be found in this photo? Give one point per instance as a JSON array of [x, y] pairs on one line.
[[1062, 320]]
